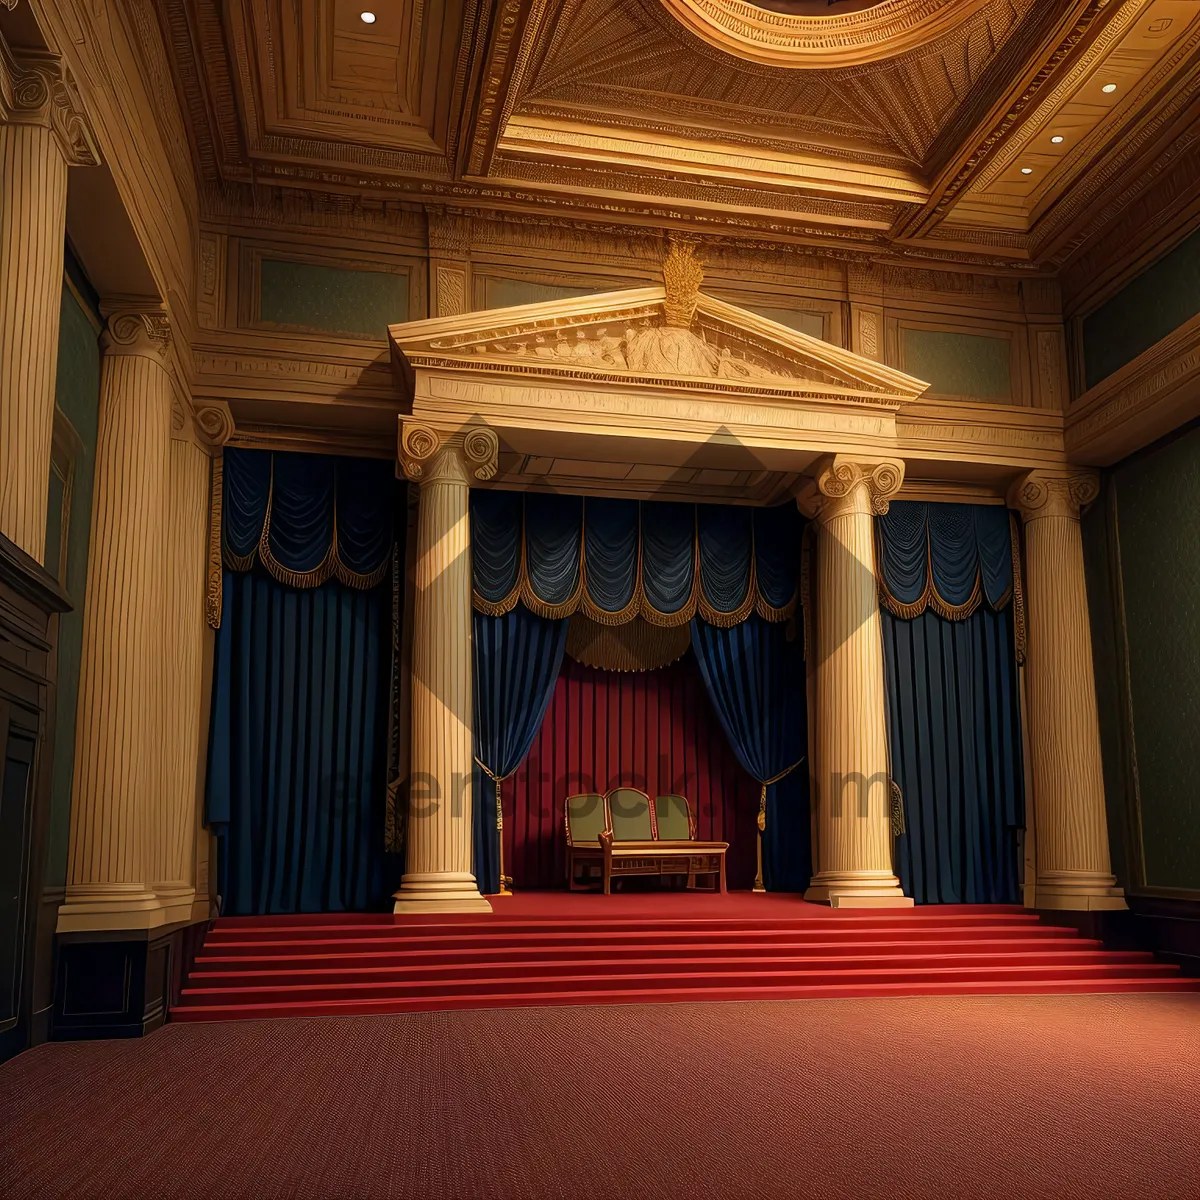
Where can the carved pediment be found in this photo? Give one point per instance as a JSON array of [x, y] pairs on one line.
[[672, 336]]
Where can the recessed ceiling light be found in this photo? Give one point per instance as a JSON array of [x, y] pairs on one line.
[[1109, 87], [1026, 170], [1057, 139], [368, 18]]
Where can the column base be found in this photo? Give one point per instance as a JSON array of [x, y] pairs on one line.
[[112, 907], [857, 889], [1077, 891], [439, 892]]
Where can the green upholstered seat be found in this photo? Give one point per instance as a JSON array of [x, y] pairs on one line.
[[629, 815], [585, 819], [674, 823]]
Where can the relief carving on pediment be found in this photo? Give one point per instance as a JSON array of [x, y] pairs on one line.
[[642, 349]]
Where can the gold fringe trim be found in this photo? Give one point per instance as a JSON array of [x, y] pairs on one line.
[[214, 598], [806, 554], [930, 597], [684, 614], [330, 567], [634, 646], [1018, 590], [638, 606], [727, 620]]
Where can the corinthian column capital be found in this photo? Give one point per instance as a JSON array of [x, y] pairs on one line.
[[1056, 493], [141, 334], [36, 88], [849, 484], [431, 455]]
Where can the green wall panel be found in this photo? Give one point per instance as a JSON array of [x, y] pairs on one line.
[[77, 394], [1109, 698], [1154, 304], [803, 322], [505, 293], [959, 364], [1157, 496], [331, 299]]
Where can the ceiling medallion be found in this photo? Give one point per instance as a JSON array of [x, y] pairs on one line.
[[786, 33]]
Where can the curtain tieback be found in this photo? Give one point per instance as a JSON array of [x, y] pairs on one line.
[[497, 780], [897, 813], [766, 783]]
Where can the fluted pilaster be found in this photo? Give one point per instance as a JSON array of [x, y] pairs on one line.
[[1073, 866], [438, 877], [42, 131], [116, 819], [854, 836], [185, 636]]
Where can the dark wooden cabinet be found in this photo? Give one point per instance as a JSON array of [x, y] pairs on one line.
[[29, 600]]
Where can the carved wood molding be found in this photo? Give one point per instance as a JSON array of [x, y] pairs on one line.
[[37, 88], [1144, 400], [779, 39]]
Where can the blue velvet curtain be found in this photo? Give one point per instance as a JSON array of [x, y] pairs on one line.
[[296, 785], [517, 658], [953, 707], [307, 518], [755, 678], [295, 780], [950, 557], [562, 554]]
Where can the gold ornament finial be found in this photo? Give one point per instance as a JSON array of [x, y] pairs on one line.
[[683, 274]]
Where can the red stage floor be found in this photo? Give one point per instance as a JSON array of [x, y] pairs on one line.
[[553, 948]]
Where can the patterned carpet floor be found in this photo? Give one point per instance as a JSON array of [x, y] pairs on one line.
[[995, 1096]]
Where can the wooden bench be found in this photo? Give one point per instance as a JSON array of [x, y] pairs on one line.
[[634, 840]]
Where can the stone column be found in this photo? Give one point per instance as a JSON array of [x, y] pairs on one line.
[[186, 638], [438, 877], [42, 131], [120, 726], [1073, 868], [854, 832]]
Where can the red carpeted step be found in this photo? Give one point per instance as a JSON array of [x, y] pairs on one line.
[[283, 966], [359, 1007], [290, 959], [645, 976], [1131, 962], [566, 936]]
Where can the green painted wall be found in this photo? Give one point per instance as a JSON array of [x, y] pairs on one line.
[[1156, 495], [331, 299], [803, 322], [959, 364], [77, 394], [1143, 312], [505, 293], [1101, 592]]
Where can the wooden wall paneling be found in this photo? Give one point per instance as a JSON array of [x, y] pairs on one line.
[[29, 599]]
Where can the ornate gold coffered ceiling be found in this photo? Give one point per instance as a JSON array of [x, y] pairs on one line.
[[919, 128]]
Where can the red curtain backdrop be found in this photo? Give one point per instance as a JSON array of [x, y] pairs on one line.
[[653, 730]]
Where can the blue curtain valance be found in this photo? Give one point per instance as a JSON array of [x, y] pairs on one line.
[[614, 560], [947, 557], [307, 518]]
